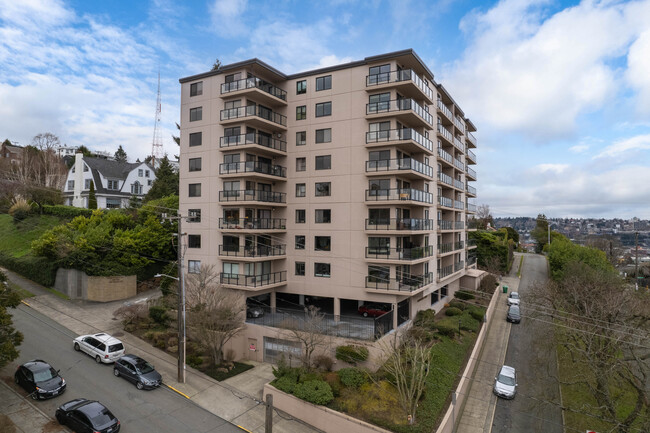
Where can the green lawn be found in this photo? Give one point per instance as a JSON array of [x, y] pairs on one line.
[[16, 238]]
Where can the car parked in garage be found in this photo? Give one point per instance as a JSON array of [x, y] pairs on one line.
[[39, 379], [373, 310], [101, 346], [84, 416], [137, 370]]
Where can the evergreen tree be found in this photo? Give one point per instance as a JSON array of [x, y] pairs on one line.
[[92, 198], [10, 339], [166, 182], [120, 155], [84, 150]]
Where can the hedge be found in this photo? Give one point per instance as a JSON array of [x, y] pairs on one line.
[[452, 311], [352, 377], [66, 211], [314, 391], [351, 354], [464, 295], [38, 269]]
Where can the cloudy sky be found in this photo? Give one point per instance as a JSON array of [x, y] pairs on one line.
[[559, 90]]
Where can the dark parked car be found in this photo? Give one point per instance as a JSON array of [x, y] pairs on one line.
[[373, 310], [138, 371], [39, 379], [254, 311], [514, 314], [85, 416]]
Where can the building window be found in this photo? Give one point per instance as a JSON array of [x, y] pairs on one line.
[[194, 190], [301, 164], [146, 173], [87, 183], [324, 83], [194, 266], [196, 139], [136, 188], [70, 185], [322, 243], [324, 135], [194, 215], [301, 190], [150, 182], [324, 109], [322, 270], [113, 184], [301, 138], [323, 216], [301, 112], [140, 172], [301, 87], [379, 74], [324, 162], [196, 88], [300, 242], [196, 114], [379, 103], [193, 241], [300, 269], [300, 216], [323, 189], [195, 164], [113, 203]]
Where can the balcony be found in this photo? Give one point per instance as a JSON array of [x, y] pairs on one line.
[[460, 124], [399, 224], [471, 243], [399, 195], [409, 138], [406, 110], [446, 202], [255, 115], [459, 205], [445, 248], [445, 178], [445, 133], [471, 139], [410, 167], [445, 156], [459, 185], [262, 90], [409, 254], [245, 224], [253, 251], [460, 165], [275, 146], [471, 190], [253, 282], [406, 80], [459, 225], [471, 156], [471, 208], [403, 284], [459, 245], [253, 167], [471, 261], [445, 271], [472, 224], [442, 108], [458, 266], [445, 225], [249, 195], [459, 144], [471, 173]]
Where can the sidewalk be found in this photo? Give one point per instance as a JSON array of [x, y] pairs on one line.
[[478, 411], [238, 399]]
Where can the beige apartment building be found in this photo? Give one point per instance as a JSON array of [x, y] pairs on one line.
[[339, 187]]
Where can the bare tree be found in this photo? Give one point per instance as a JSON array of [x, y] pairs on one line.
[[483, 216], [309, 330], [215, 314], [51, 169]]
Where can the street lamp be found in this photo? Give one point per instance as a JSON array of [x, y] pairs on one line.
[[181, 324], [549, 231]]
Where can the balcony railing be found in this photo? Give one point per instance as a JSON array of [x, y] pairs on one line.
[[397, 135], [444, 110], [403, 284], [253, 223], [253, 251], [411, 224], [471, 156], [471, 207], [445, 225], [445, 201], [471, 190], [254, 82], [397, 77], [459, 144], [459, 205], [446, 271], [471, 260], [471, 243], [459, 265], [471, 138], [445, 133], [471, 172], [400, 105], [399, 253], [252, 195], [399, 164], [445, 248], [445, 178], [459, 123], [254, 110], [460, 245], [253, 280], [459, 225], [399, 194], [253, 138], [459, 164], [445, 155], [459, 184], [252, 167], [472, 224]]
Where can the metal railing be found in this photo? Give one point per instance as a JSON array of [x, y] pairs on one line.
[[253, 251], [252, 195], [445, 155], [459, 164], [445, 178], [459, 245], [399, 164], [253, 280], [445, 225], [445, 271], [400, 105], [471, 207], [471, 172], [459, 144], [400, 76], [254, 110], [252, 167], [445, 133], [444, 110], [460, 124], [399, 224], [459, 225], [470, 155], [253, 223], [253, 138], [399, 194], [254, 82], [459, 265], [445, 248], [445, 201], [398, 135], [471, 190], [471, 138], [403, 284], [459, 205], [399, 253], [471, 261]]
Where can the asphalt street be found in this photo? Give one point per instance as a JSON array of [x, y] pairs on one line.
[[531, 350], [159, 410]]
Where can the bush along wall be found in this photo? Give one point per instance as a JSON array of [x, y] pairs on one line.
[[38, 269]]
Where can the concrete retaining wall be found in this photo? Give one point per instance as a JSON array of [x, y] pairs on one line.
[[77, 285]]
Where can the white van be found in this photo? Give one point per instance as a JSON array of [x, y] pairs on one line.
[[102, 347]]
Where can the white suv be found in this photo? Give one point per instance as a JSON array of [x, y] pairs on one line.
[[102, 347]]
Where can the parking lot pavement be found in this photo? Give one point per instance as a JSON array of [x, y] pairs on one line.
[[23, 415]]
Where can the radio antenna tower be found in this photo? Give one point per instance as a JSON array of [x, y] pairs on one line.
[[156, 144]]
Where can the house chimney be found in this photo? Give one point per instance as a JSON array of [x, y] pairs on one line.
[[77, 199]]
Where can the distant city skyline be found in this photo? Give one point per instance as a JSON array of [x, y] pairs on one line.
[[559, 90]]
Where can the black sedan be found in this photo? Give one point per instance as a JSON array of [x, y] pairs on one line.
[[83, 416], [39, 379], [138, 371]]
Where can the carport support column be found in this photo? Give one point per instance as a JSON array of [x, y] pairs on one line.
[[301, 300], [273, 302], [337, 309], [395, 316]]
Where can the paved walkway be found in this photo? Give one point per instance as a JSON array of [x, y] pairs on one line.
[[238, 399], [478, 411]]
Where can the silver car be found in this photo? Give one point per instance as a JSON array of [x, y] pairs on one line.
[[513, 298], [137, 370], [505, 384]]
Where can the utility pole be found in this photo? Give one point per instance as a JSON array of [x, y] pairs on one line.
[[636, 262], [181, 307]]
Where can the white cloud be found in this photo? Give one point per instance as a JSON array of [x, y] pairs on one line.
[[638, 73], [579, 148], [551, 168], [332, 60], [626, 148], [227, 17]]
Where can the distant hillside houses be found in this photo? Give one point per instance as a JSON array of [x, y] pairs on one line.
[[114, 182]]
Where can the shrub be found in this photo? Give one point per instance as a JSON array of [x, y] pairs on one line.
[[158, 314], [351, 354], [66, 211], [446, 330], [465, 296], [325, 362], [160, 344], [451, 311], [38, 269], [172, 341], [458, 304], [314, 391], [194, 361], [352, 377], [489, 283], [425, 318], [283, 369], [420, 333], [286, 383], [477, 313], [334, 381]]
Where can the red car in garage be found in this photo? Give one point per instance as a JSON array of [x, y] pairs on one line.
[[373, 310]]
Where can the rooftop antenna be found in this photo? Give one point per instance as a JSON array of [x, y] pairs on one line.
[[156, 144]]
